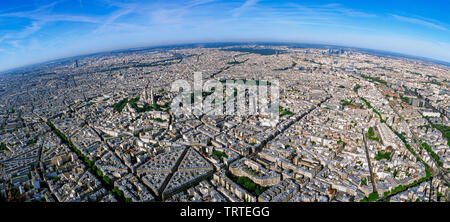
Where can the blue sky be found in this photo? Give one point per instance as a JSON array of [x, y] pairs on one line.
[[41, 30]]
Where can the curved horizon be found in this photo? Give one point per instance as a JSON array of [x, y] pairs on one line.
[[37, 32], [231, 43]]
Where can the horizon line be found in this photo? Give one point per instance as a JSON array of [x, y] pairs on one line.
[[157, 45]]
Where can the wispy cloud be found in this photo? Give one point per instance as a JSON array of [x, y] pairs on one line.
[[246, 5], [27, 31], [113, 17], [419, 22], [353, 13], [44, 14], [199, 2], [331, 10], [174, 14]]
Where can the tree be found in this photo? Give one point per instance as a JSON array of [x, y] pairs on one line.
[[107, 180], [155, 106], [88, 162], [118, 192], [371, 132], [2, 146], [373, 196], [55, 179], [120, 105], [364, 181]]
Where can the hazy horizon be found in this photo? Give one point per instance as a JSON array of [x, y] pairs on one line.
[[174, 44]]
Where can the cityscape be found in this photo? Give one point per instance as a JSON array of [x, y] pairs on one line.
[[352, 127]]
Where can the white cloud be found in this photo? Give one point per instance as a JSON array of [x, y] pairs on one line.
[[174, 14], [330, 10], [419, 22], [29, 30], [247, 4], [113, 17]]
